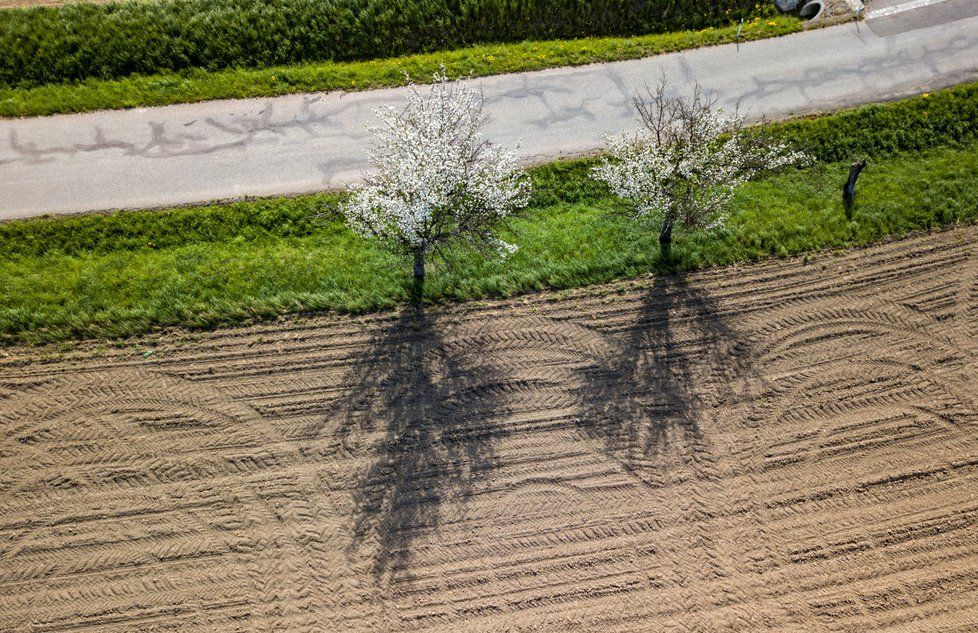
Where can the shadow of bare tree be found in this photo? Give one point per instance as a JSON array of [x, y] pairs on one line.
[[678, 359], [417, 406]]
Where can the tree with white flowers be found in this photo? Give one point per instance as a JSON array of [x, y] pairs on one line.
[[437, 181], [682, 169]]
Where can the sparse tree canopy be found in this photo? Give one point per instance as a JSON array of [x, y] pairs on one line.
[[682, 169], [437, 181]]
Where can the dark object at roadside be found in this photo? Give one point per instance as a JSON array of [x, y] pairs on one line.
[[849, 189], [812, 9], [787, 5]]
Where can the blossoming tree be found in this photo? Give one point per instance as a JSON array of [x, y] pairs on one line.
[[437, 182], [682, 169]]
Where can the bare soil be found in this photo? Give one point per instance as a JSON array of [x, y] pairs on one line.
[[788, 446]]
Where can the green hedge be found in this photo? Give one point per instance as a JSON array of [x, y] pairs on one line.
[[52, 45]]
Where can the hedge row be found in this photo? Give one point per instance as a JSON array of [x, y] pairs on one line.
[[76, 41]]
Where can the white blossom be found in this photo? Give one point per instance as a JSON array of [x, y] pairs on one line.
[[436, 179], [505, 249], [682, 169]]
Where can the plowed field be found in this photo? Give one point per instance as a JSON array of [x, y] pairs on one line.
[[788, 446]]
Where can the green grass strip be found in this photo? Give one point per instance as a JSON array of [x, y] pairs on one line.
[[57, 296], [480, 61], [126, 273]]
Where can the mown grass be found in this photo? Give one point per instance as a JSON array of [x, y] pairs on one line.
[[201, 85], [110, 276]]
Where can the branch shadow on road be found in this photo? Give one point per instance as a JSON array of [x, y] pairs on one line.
[[418, 408], [678, 359]]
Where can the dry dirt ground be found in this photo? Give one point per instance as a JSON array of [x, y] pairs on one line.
[[787, 446]]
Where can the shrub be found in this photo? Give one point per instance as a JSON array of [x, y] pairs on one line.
[[59, 44]]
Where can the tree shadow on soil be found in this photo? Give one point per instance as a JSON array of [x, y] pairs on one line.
[[418, 408], [678, 359]]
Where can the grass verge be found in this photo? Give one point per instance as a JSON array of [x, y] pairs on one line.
[[199, 85], [127, 273], [124, 273]]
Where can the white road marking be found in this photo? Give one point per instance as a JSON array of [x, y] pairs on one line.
[[900, 8]]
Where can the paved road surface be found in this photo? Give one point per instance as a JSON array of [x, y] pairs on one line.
[[300, 143]]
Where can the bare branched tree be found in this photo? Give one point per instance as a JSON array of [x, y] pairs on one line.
[[682, 169], [437, 181]]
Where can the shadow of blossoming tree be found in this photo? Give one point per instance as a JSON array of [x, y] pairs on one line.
[[677, 359], [417, 408]]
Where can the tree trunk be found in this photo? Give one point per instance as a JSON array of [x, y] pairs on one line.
[[419, 267], [417, 291], [665, 239]]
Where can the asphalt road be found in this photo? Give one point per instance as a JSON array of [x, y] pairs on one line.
[[300, 143]]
